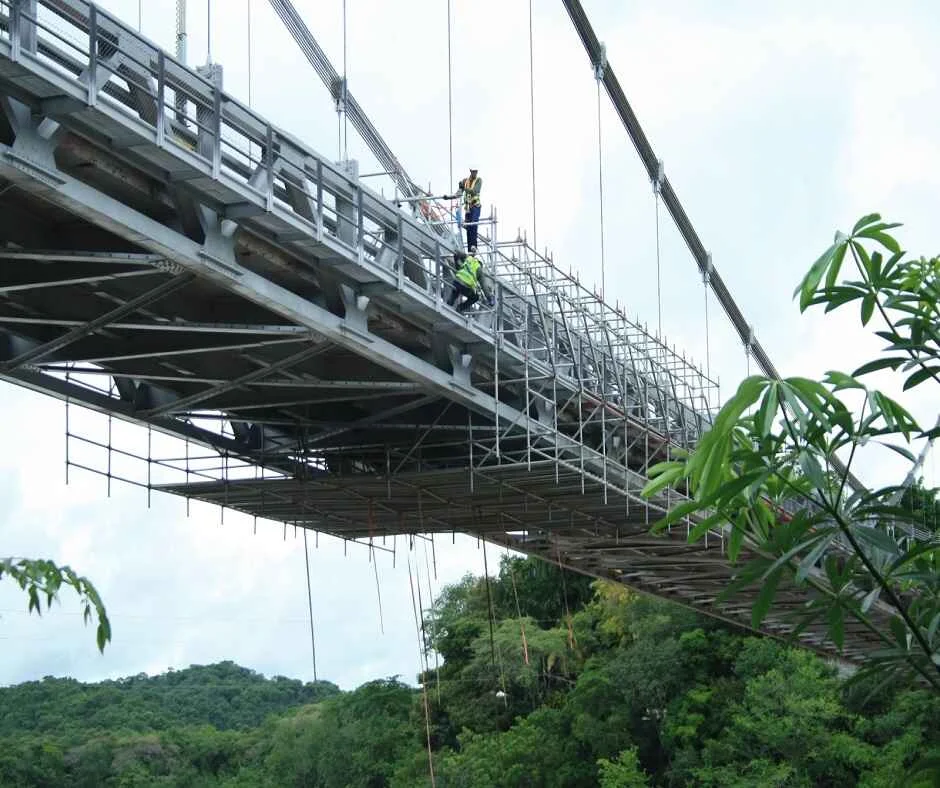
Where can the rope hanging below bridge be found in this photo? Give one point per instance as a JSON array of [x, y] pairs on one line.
[[489, 605], [422, 660], [313, 642]]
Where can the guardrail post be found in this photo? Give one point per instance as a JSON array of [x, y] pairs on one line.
[[15, 30], [319, 199], [161, 98], [92, 56], [348, 224], [269, 168], [209, 143], [28, 13]]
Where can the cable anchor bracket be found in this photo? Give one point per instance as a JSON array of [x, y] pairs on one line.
[[339, 93], [660, 178], [600, 65]]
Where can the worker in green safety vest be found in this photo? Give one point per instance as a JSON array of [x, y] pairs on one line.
[[469, 281]]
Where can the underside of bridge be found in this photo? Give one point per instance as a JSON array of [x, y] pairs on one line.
[[209, 278]]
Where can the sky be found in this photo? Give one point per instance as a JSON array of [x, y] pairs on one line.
[[778, 123]]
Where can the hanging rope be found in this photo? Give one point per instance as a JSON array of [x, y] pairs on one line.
[[313, 643], [422, 660], [375, 566], [489, 604], [450, 107], [600, 187], [424, 631], [515, 593], [564, 591], [535, 244], [437, 662]]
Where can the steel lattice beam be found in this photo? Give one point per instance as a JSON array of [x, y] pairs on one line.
[[48, 348]]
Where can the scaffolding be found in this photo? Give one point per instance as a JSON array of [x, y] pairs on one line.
[[290, 353]]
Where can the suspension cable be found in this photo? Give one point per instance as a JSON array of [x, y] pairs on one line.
[[313, 643], [659, 281], [345, 117], [600, 189], [450, 107], [535, 244], [140, 16], [208, 31], [249, 57], [708, 363]]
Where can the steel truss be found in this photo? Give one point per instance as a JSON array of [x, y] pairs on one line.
[[226, 286]]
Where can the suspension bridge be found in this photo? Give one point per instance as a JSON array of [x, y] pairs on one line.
[[173, 260]]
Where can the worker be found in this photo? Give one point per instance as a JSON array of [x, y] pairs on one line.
[[468, 281], [469, 190]]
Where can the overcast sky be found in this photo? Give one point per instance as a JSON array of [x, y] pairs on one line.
[[777, 123]]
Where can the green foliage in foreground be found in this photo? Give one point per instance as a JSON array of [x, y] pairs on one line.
[[42, 580], [580, 686], [766, 472]]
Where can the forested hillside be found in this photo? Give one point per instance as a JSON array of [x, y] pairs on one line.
[[574, 684]]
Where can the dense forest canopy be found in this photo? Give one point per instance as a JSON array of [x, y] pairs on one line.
[[577, 684]]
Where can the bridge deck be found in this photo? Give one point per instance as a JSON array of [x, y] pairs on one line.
[[212, 278]]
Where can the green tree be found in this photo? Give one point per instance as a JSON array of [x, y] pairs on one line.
[[537, 751], [358, 738], [41, 578], [622, 772], [770, 478], [631, 691], [789, 719]]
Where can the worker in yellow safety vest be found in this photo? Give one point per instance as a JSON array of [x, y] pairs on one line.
[[469, 281], [469, 188]]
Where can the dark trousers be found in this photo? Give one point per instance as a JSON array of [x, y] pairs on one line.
[[470, 295], [470, 222]]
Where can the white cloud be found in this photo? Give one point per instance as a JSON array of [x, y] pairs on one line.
[[776, 126]]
